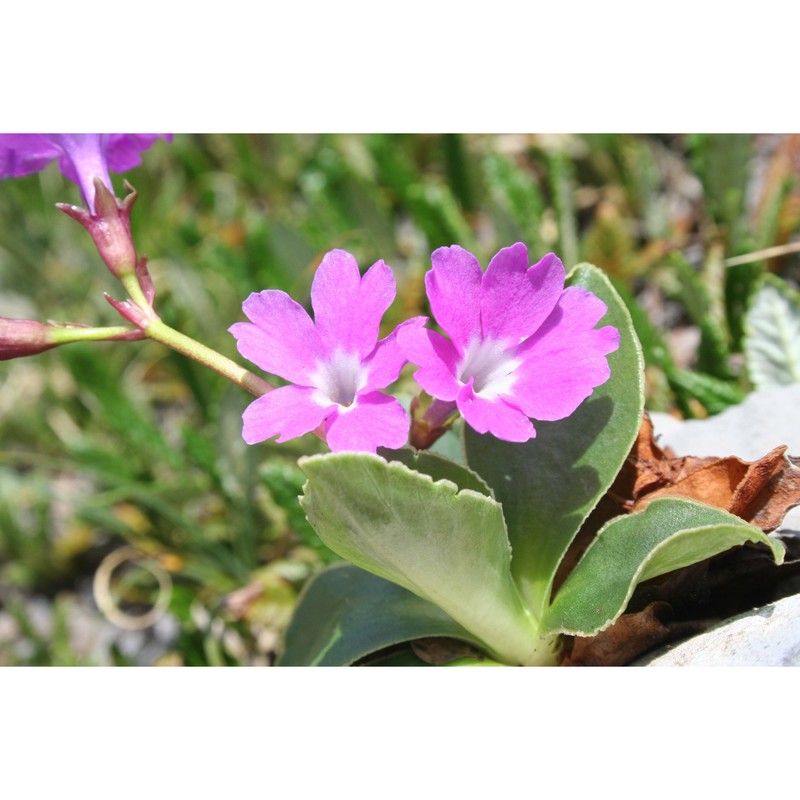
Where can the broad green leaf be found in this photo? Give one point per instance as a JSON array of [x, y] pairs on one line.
[[447, 546], [772, 335], [345, 613], [438, 467], [548, 486], [667, 535]]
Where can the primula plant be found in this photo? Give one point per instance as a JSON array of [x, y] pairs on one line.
[[485, 512]]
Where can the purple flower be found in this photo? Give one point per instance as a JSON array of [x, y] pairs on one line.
[[81, 156], [335, 363], [520, 344]]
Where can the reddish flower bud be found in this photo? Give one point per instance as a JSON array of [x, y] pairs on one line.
[[110, 227], [24, 337]]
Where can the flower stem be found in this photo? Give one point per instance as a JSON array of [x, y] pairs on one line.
[[440, 413], [78, 333], [161, 332], [131, 283], [434, 423]]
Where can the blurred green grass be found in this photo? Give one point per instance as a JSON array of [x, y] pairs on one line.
[[130, 444]]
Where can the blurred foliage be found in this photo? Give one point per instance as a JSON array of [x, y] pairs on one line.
[[110, 445]]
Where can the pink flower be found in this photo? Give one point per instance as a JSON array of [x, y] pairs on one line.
[[521, 345], [81, 156], [335, 363]]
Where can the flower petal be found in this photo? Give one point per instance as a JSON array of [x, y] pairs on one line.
[[565, 360], [82, 158], [437, 358], [81, 155], [374, 420], [494, 416], [348, 308], [516, 299], [24, 153], [281, 339], [454, 292], [124, 150], [287, 412], [388, 359]]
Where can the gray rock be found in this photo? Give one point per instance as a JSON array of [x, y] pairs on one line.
[[766, 637], [760, 423]]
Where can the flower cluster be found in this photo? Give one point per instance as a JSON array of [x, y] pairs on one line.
[[521, 346]]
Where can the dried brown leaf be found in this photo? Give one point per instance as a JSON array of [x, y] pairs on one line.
[[760, 492], [439, 650], [629, 637]]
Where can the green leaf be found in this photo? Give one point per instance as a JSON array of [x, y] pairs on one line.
[[563, 186], [772, 335], [722, 162], [517, 201], [667, 535], [438, 467], [716, 395], [345, 613], [447, 546], [703, 299], [548, 486]]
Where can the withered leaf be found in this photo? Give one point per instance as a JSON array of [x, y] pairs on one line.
[[439, 650], [239, 601], [629, 637], [760, 492]]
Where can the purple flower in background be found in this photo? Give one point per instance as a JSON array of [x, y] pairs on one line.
[[520, 344], [335, 363], [81, 156]]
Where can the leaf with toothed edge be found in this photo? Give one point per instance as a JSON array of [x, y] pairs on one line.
[[668, 535], [447, 546], [772, 335]]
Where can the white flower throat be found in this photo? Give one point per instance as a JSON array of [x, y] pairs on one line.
[[491, 366], [338, 380]]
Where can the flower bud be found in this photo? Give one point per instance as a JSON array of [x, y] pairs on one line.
[[24, 337], [110, 228]]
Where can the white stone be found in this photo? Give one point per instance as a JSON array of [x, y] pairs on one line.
[[766, 637], [750, 430]]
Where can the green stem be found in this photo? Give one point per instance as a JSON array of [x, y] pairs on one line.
[[161, 332], [131, 284], [68, 333]]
